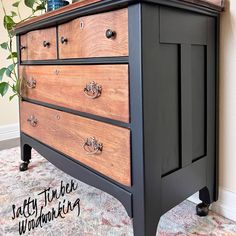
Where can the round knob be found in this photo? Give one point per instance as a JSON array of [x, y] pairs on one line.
[[64, 40], [110, 34], [46, 44], [22, 47]]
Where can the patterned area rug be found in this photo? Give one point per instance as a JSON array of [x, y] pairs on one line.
[[82, 210]]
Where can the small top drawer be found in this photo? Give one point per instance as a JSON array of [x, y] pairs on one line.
[[39, 45], [100, 35]]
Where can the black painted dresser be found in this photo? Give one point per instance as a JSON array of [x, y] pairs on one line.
[[123, 96]]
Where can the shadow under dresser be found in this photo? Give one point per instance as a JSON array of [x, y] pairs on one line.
[[123, 95]]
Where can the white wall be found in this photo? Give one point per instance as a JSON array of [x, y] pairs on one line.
[[228, 98], [8, 110]]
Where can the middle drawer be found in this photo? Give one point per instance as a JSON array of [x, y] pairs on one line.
[[100, 146], [101, 90]]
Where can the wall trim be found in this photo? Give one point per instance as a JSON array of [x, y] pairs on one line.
[[195, 198], [225, 206], [11, 131]]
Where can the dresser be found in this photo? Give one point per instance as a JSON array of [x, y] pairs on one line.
[[123, 95]]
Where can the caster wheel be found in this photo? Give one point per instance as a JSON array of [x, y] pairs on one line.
[[24, 166], [202, 209]]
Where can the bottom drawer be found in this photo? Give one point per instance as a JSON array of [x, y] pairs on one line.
[[101, 146]]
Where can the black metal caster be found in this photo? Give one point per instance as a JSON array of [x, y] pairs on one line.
[[202, 209], [24, 166]]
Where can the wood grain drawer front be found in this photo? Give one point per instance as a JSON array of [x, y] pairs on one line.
[[100, 35], [39, 45], [108, 153], [100, 90], [23, 47]]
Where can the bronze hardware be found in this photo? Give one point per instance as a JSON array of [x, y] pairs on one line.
[[64, 40], [92, 146], [110, 34], [93, 90], [31, 83], [32, 121], [46, 44]]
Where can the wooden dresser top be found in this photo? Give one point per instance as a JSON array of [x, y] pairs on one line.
[[215, 5]]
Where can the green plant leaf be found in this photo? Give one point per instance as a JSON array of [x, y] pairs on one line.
[[12, 55], [11, 97], [4, 45], [3, 88], [9, 70], [29, 3], [17, 86], [14, 88], [8, 22], [13, 14], [16, 4], [11, 33], [40, 7], [2, 72]]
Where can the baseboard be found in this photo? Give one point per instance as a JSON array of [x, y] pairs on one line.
[[9, 132], [225, 206], [195, 198]]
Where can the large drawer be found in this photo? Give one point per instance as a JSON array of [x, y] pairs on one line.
[[100, 146], [99, 35], [39, 45], [101, 90]]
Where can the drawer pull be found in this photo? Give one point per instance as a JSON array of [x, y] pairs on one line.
[[32, 121], [31, 83], [93, 90], [64, 40], [46, 44], [92, 146], [110, 34], [22, 47]]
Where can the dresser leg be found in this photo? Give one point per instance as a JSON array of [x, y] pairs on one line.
[[202, 209], [145, 227], [204, 196], [25, 157]]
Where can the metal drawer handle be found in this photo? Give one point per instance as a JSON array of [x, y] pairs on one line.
[[92, 146], [32, 121], [46, 44], [110, 34], [93, 90], [64, 40], [31, 83]]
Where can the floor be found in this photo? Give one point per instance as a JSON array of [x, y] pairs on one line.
[[27, 205]]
